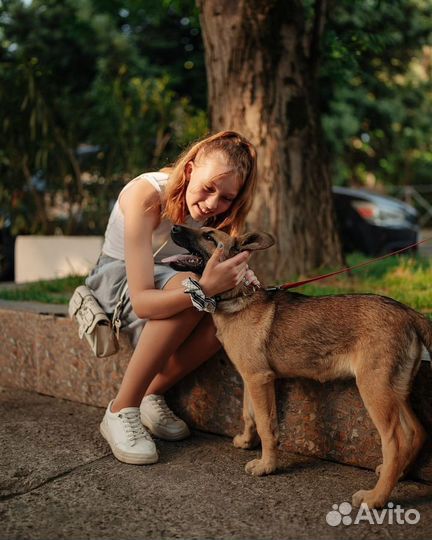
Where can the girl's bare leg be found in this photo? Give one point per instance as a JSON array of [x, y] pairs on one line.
[[158, 341], [201, 345]]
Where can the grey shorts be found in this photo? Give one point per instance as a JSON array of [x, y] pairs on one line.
[[107, 279]]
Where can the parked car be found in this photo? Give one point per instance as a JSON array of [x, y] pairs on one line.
[[374, 224]]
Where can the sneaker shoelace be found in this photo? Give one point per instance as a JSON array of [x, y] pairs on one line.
[[133, 427], [164, 411]]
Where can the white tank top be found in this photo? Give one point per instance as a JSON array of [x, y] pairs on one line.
[[114, 234]]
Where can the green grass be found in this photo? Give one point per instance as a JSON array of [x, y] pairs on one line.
[[56, 291], [405, 278]]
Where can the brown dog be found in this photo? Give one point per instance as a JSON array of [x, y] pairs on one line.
[[278, 334]]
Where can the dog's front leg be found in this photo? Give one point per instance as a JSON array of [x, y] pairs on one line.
[[261, 390], [249, 437]]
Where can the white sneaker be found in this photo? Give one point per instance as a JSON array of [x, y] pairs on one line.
[[130, 442], [159, 419]]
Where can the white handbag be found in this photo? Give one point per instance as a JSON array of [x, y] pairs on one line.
[[101, 333], [94, 324]]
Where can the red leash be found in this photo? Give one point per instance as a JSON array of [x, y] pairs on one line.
[[366, 263]]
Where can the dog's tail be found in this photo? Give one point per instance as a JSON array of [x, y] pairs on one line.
[[423, 328]]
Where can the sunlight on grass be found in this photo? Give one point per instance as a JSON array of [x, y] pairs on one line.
[[56, 291], [407, 279]]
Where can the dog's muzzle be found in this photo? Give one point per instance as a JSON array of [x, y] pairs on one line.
[[192, 261]]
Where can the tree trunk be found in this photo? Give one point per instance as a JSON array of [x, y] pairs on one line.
[[261, 72]]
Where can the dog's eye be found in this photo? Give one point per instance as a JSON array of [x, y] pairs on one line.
[[209, 237]]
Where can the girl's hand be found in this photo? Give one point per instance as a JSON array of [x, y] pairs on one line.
[[251, 279], [223, 275]]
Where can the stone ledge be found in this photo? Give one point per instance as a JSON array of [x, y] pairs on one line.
[[43, 353], [34, 307]]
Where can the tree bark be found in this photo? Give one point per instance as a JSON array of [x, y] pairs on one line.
[[261, 70]]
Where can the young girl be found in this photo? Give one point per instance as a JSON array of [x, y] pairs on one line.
[[211, 184]]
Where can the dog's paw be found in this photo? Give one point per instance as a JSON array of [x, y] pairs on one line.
[[369, 498], [241, 441], [257, 467]]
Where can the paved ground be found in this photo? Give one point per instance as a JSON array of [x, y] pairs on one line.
[[59, 481]]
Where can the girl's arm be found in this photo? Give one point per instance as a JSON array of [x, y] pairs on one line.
[[142, 213]]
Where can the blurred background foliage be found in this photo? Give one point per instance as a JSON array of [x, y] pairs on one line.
[[93, 92], [376, 90]]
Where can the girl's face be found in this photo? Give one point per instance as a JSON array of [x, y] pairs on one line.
[[212, 187]]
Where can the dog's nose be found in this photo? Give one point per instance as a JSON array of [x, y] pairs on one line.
[[176, 229]]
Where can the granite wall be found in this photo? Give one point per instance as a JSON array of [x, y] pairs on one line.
[[43, 353]]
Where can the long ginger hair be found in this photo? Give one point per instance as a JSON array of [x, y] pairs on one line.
[[240, 154]]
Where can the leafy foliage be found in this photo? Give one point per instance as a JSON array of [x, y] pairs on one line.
[[376, 91], [94, 91], [84, 106]]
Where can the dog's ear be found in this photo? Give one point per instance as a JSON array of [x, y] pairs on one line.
[[254, 241]]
